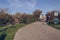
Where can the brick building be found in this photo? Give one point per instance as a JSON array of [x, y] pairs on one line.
[[53, 15]]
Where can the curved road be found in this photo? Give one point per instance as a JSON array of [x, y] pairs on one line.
[[37, 31]]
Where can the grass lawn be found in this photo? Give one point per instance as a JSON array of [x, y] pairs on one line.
[[10, 32], [55, 26]]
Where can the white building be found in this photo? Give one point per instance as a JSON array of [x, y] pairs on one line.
[[42, 17]]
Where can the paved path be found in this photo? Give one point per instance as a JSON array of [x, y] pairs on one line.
[[37, 31]]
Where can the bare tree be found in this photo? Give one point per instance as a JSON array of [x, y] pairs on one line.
[[37, 14]]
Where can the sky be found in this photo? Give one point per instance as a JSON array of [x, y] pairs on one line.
[[29, 6]]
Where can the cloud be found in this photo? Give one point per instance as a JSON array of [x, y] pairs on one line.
[[18, 4], [14, 3], [30, 5]]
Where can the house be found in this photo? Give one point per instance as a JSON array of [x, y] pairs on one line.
[[42, 17], [51, 16]]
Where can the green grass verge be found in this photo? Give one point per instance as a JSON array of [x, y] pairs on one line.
[[10, 32], [55, 26]]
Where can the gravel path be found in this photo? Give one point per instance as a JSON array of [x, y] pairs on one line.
[[37, 31]]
